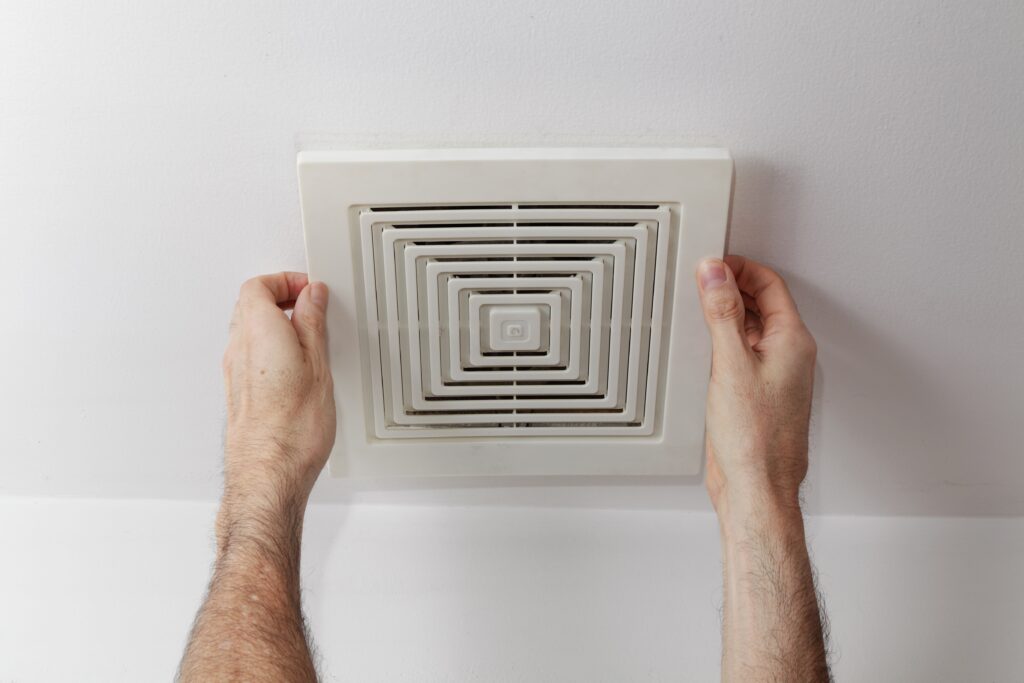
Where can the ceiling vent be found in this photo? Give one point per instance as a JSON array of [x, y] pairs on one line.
[[515, 311]]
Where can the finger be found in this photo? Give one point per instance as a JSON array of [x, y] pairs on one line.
[[724, 312], [749, 302], [277, 289], [753, 328], [310, 318], [775, 304]]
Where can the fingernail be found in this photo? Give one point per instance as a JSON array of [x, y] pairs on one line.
[[318, 294], [712, 274]]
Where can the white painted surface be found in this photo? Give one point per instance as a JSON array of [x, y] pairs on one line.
[[488, 594], [147, 168], [406, 408]]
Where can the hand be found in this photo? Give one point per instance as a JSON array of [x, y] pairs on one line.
[[281, 425], [280, 397], [762, 373]]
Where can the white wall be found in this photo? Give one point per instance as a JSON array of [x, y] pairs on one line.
[[105, 591], [147, 167]]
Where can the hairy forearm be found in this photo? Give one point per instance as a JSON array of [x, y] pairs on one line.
[[250, 626], [773, 626]]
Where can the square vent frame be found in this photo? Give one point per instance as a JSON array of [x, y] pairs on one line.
[[405, 240]]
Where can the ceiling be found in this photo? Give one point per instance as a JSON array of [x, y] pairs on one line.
[[147, 167]]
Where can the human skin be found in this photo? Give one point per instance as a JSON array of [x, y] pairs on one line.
[[281, 427], [280, 430], [758, 414]]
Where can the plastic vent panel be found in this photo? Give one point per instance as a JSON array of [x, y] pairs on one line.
[[515, 311], [576, 296]]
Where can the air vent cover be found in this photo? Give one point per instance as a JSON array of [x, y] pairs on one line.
[[515, 311]]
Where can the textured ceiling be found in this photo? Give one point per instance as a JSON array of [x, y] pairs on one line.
[[147, 168]]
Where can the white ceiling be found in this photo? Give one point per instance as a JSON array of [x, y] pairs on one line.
[[147, 167]]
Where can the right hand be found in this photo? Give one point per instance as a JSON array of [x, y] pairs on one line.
[[280, 398], [762, 373]]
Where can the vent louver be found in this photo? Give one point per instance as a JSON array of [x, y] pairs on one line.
[[508, 320], [507, 312]]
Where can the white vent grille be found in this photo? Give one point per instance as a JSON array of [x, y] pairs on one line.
[[516, 312], [511, 320]]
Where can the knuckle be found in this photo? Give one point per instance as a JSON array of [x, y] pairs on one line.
[[806, 344], [315, 324], [812, 346], [725, 307], [247, 287], [771, 274]]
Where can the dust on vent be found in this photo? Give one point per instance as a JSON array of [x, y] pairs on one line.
[[515, 311]]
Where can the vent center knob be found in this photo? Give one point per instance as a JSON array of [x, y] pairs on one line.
[[515, 328]]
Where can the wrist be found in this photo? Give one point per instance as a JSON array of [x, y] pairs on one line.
[[275, 453], [742, 509], [265, 475], [255, 515]]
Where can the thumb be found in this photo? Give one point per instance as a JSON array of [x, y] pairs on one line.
[[310, 318], [724, 311]]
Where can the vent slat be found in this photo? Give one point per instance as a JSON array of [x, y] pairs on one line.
[[515, 318]]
